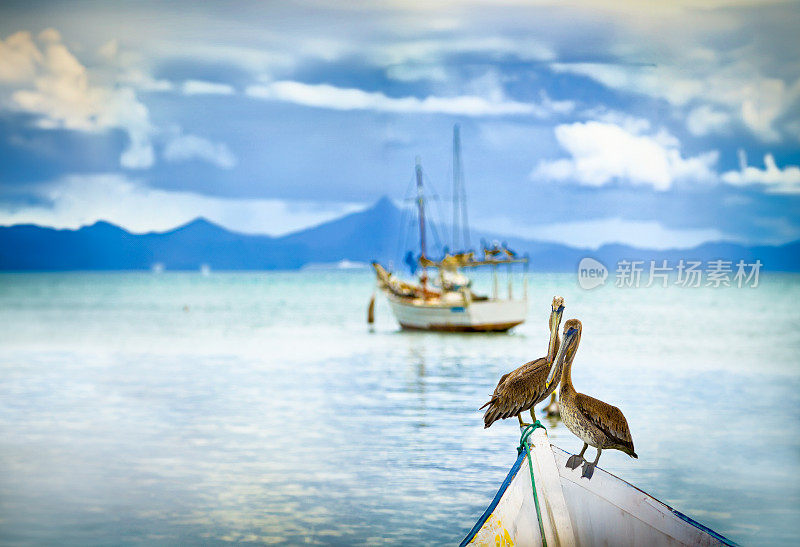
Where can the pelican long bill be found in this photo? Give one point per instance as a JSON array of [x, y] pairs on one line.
[[558, 362]]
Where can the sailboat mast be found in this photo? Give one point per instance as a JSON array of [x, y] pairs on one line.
[[459, 195], [421, 206], [456, 179]]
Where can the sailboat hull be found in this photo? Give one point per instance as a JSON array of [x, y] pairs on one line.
[[480, 316]]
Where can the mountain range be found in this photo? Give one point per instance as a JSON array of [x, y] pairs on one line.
[[375, 233]]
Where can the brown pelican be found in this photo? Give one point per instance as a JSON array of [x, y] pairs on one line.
[[521, 389], [371, 310], [508, 252], [596, 423], [490, 253]]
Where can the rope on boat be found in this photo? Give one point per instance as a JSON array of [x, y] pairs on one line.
[[524, 445]]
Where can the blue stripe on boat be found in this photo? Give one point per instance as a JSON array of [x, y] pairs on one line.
[[486, 514], [705, 529], [457, 309]]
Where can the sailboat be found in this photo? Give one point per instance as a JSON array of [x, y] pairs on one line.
[[445, 301]]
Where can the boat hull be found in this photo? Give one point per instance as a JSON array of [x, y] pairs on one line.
[[605, 510], [478, 316]]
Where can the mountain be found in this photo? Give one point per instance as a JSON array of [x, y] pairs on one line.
[[103, 246], [372, 234], [375, 233]]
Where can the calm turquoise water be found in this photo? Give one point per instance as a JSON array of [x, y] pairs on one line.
[[177, 408]]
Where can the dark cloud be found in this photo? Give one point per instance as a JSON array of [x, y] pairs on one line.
[[29, 154]]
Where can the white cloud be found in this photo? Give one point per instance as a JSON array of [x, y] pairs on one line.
[[51, 82], [705, 120], [416, 72], [595, 233], [601, 153], [19, 58], [627, 122], [200, 87], [188, 147], [139, 79], [775, 179], [712, 89], [109, 50], [338, 98], [257, 60], [435, 50], [76, 201]]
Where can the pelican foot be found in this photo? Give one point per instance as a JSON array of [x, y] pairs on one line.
[[523, 425], [588, 470], [574, 461]]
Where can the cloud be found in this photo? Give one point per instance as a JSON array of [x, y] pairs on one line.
[[78, 200], [143, 81], [109, 50], [775, 179], [402, 52], [199, 87], [597, 232], [19, 58], [713, 90], [705, 120], [189, 147], [416, 73], [602, 153], [50, 81], [338, 98]]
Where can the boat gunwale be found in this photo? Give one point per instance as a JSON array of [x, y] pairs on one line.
[[410, 302], [681, 516], [485, 327], [496, 500]]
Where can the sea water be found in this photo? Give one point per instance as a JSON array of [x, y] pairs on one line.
[[189, 408]]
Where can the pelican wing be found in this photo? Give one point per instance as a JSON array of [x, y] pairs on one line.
[[500, 383], [517, 391], [607, 418]]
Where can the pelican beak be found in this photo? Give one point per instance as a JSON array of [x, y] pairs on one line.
[[558, 363], [557, 309], [558, 312]]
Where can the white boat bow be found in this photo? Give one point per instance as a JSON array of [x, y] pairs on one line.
[[605, 510]]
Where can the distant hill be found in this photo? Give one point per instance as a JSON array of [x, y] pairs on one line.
[[371, 234]]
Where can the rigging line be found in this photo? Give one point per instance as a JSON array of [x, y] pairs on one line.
[[525, 445], [454, 173], [464, 219], [438, 201], [459, 190], [402, 236]]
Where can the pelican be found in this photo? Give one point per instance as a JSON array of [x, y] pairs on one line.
[[521, 389], [492, 252], [371, 309], [508, 252], [594, 422]]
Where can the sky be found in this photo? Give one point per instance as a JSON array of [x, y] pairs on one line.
[[660, 124]]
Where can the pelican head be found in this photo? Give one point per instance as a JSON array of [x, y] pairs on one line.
[[572, 336], [557, 310]]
